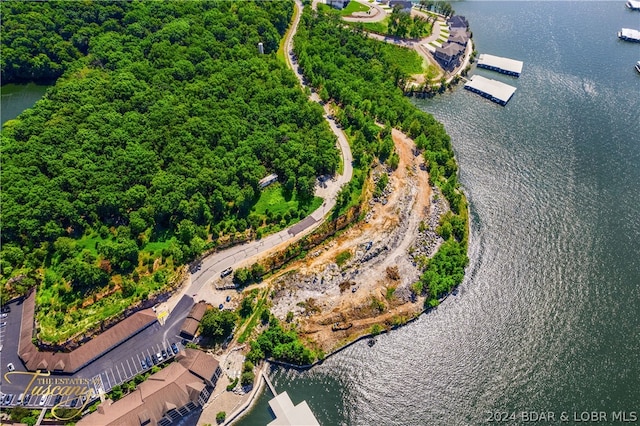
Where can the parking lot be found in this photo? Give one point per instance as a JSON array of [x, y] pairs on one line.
[[141, 362], [117, 366]]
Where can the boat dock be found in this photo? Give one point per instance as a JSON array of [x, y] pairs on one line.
[[633, 4], [500, 64], [269, 384], [628, 34], [494, 90]]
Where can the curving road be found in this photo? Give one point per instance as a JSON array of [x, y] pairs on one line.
[[213, 265]]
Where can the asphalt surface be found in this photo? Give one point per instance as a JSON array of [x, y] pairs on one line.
[[117, 366]]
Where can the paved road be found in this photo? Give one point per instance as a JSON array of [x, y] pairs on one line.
[[376, 13], [213, 265]]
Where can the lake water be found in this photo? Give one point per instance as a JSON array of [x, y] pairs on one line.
[[548, 317], [18, 97]]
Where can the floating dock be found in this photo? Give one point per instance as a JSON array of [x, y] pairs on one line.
[[494, 90], [628, 34], [633, 4], [500, 64], [288, 414]]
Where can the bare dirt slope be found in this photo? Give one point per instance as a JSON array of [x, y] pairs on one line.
[[334, 304]]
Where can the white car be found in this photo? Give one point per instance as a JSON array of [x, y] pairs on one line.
[[4, 315], [43, 399], [10, 366]]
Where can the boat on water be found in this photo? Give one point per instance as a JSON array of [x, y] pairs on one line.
[[629, 34], [638, 66]]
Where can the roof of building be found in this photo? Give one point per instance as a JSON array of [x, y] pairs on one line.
[[458, 21], [172, 387], [198, 310], [199, 363], [404, 4], [70, 362], [289, 415], [505, 64], [630, 33], [459, 36], [189, 327], [449, 49], [494, 88]]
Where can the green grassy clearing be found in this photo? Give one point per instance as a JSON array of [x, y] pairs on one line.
[[381, 27], [273, 200], [253, 320], [407, 59], [353, 7]]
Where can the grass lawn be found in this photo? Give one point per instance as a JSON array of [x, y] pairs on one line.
[[407, 59], [352, 7], [273, 199], [381, 27]]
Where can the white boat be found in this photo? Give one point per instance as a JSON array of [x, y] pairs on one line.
[[638, 66]]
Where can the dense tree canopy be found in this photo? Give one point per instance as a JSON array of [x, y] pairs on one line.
[[163, 122]]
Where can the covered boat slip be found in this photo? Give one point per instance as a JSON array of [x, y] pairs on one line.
[[633, 4], [491, 89], [629, 34], [500, 64]]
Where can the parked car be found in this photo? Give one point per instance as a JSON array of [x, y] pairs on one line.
[[2, 324], [143, 364], [147, 360], [174, 347], [226, 272], [10, 366], [221, 306], [26, 399], [4, 315], [164, 354], [159, 356], [154, 358], [43, 400], [57, 400], [20, 398], [8, 398], [228, 298], [169, 351]]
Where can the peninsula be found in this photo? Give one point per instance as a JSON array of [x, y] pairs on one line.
[[152, 193]]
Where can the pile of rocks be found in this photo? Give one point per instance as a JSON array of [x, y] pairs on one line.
[[428, 241]]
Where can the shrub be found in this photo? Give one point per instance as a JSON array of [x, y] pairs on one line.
[[221, 416], [231, 386], [247, 378], [342, 257]]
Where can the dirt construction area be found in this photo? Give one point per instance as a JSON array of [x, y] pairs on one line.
[[364, 276]]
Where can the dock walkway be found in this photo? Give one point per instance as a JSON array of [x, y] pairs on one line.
[[268, 382]]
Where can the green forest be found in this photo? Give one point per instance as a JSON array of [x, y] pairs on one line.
[[149, 147], [360, 76]]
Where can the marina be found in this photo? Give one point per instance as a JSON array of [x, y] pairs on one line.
[[628, 34], [502, 65], [493, 90]]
